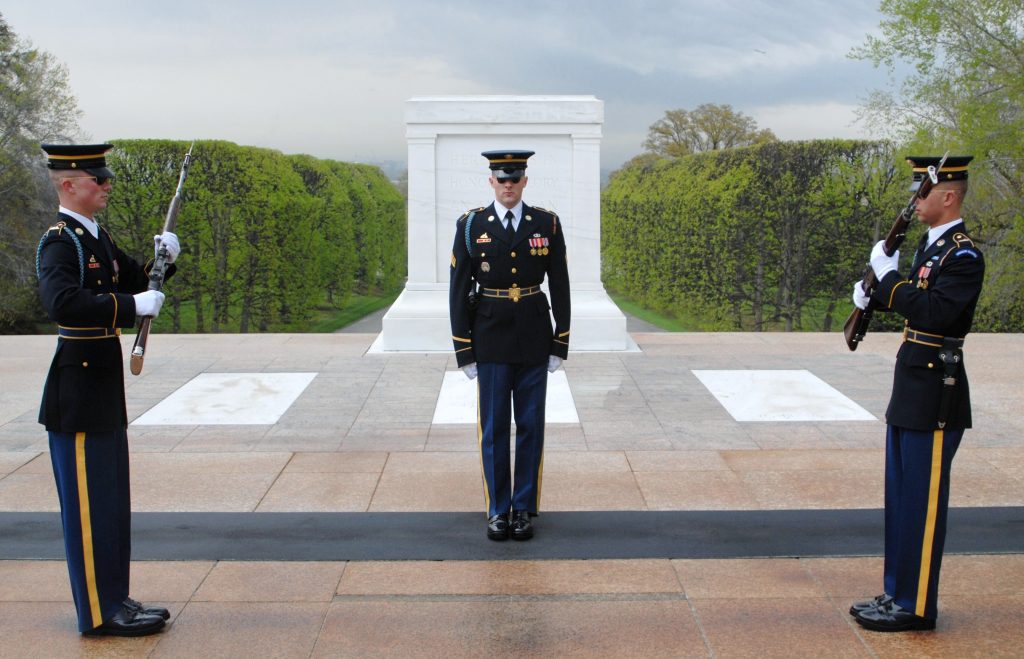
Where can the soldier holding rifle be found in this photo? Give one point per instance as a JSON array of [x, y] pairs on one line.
[[91, 289], [930, 404]]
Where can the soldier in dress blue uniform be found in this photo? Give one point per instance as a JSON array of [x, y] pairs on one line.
[[502, 334], [91, 289], [930, 405]]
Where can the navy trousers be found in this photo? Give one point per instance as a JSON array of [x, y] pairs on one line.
[[498, 387], [91, 470], [917, 466]]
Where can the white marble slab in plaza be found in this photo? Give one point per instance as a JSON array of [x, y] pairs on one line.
[[228, 399], [796, 395], [457, 402]]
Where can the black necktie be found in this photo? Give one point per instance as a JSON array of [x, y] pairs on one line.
[[921, 246], [511, 230]]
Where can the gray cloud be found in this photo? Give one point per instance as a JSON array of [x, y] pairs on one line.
[[330, 78]]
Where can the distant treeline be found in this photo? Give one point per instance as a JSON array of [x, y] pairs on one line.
[[266, 238], [766, 237]]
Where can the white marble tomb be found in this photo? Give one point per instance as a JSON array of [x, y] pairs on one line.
[[447, 176]]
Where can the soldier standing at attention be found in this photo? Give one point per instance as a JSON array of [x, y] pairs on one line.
[[930, 405], [501, 328], [91, 289]]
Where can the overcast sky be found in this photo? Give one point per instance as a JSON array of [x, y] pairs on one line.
[[331, 78]]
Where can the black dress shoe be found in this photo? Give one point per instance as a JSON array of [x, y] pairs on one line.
[[522, 527], [497, 527], [139, 607], [891, 617], [128, 623], [881, 600]]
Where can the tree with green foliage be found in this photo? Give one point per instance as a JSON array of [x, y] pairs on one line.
[[709, 127], [36, 106], [333, 229], [965, 95]]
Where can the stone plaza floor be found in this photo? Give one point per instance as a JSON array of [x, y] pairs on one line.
[[356, 447]]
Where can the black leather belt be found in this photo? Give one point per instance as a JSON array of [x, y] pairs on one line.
[[513, 293], [928, 339], [87, 332]]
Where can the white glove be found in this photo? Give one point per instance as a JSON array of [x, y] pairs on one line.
[[553, 363], [882, 264], [170, 241], [148, 303], [470, 370], [860, 299]]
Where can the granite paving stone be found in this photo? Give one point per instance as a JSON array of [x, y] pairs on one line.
[[651, 437]]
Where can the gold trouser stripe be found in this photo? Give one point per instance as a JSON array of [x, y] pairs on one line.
[[480, 446], [86, 521], [929, 524], [540, 478], [892, 293]]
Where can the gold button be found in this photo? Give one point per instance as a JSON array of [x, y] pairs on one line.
[[513, 271], [513, 254], [99, 282], [931, 365], [85, 364]]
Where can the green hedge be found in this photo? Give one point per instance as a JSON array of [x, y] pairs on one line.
[[266, 238], [768, 237]]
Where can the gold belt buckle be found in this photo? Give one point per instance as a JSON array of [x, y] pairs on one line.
[[513, 293]]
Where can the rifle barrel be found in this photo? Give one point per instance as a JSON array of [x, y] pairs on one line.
[[856, 326], [158, 271]]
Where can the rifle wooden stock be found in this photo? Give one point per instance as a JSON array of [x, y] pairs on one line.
[[856, 325], [158, 271]]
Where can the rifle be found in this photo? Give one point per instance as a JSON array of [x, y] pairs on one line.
[[159, 269], [857, 324]]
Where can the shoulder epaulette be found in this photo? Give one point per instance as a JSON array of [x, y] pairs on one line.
[[962, 245], [962, 239], [471, 210]]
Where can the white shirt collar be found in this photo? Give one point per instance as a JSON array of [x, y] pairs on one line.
[[935, 232], [89, 224], [517, 212]]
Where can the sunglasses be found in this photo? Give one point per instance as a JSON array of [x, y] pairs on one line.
[[510, 179], [100, 180]]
